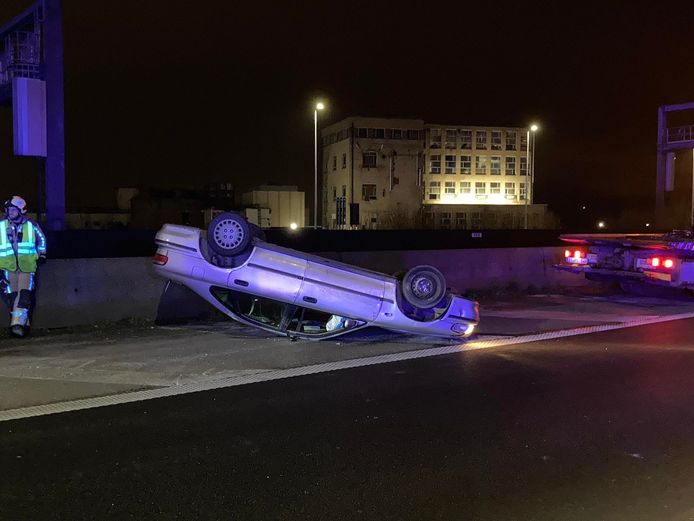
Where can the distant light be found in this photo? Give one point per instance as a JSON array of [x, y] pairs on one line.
[[648, 224], [601, 224], [583, 207], [534, 127], [320, 106], [293, 226]]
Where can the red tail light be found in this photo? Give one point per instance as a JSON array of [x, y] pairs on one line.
[[655, 262], [567, 253], [160, 259], [668, 263]]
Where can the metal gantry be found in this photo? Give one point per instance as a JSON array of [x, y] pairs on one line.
[[31, 46]]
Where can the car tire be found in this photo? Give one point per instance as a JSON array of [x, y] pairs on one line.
[[423, 286], [229, 234]]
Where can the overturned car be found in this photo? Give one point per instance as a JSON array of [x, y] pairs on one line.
[[291, 293]]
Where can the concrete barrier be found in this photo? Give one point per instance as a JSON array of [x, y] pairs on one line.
[[83, 291]]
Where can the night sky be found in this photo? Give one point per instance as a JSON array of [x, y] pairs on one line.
[[187, 93]]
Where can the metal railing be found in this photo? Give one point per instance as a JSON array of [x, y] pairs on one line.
[[679, 134]]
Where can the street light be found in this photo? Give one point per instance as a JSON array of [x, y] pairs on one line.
[[529, 167], [319, 106]]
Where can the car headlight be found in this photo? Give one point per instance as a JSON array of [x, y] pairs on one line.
[[463, 329]]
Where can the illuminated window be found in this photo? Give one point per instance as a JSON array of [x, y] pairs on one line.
[[434, 190], [368, 192], [466, 187], [522, 191], [480, 165], [344, 160], [510, 140], [495, 188], [369, 159], [510, 190], [466, 139], [465, 164], [495, 166], [435, 138], [524, 141], [496, 139], [450, 164], [523, 166], [449, 187], [451, 135], [481, 140], [435, 164], [480, 188], [510, 165]]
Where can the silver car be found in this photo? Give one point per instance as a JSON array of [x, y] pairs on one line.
[[291, 293]]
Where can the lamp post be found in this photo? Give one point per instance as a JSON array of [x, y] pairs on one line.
[[319, 106], [529, 168]]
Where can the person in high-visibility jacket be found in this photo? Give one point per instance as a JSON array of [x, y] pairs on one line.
[[22, 247]]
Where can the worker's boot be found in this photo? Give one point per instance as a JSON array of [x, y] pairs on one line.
[[17, 331]]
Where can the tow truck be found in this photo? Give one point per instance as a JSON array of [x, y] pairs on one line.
[[659, 260]]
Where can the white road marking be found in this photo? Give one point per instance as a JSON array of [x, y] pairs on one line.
[[235, 381]]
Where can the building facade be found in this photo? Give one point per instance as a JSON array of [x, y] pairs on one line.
[[397, 173], [286, 205]]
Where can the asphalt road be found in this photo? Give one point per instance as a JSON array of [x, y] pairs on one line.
[[591, 427]]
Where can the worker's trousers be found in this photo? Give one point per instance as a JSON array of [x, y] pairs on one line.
[[19, 295]]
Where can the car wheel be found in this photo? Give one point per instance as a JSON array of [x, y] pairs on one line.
[[228, 234], [423, 286]]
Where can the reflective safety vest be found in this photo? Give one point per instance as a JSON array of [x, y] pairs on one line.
[[26, 254]]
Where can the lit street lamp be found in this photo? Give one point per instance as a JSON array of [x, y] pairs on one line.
[[319, 106], [530, 168]]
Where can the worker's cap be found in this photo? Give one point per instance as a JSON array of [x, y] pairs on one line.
[[19, 203]]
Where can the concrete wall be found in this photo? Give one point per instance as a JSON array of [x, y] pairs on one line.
[[84, 291]]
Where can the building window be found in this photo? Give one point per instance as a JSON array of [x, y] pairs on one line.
[[434, 190], [481, 190], [480, 165], [523, 166], [334, 193], [368, 159], [362, 132], [397, 133], [510, 165], [379, 133], [334, 163], [445, 219], [368, 192], [481, 143], [510, 190], [465, 164], [435, 138], [450, 164], [476, 220], [466, 139], [524, 141], [435, 164], [413, 134], [449, 187], [451, 138], [344, 160], [461, 219], [495, 188], [496, 139], [465, 187], [344, 190], [522, 191], [495, 166], [510, 140]]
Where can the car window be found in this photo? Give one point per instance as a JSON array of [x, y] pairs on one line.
[[313, 322], [262, 310], [283, 317]]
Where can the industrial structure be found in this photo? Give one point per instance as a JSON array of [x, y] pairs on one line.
[[400, 173]]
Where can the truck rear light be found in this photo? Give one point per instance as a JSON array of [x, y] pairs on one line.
[[668, 263], [655, 262], [160, 259], [567, 253]]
